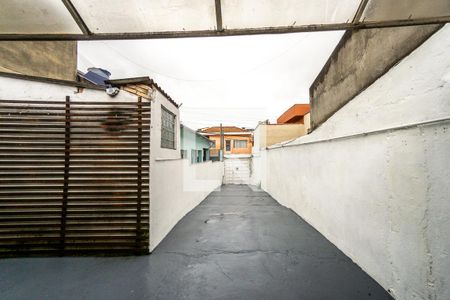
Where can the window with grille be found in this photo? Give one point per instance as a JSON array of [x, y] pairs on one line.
[[167, 129], [240, 144]]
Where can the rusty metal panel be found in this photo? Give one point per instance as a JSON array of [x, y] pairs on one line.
[[74, 177]]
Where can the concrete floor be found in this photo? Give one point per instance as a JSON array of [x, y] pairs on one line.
[[238, 244]]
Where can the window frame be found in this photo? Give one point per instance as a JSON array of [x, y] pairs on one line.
[[164, 128], [240, 141]]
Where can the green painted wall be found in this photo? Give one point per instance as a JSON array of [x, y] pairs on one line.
[[193, 146]]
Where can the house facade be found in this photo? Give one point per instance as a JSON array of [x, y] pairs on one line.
[[267, 134], [237, 140], [91, 152], [194, 146], [293, 123]]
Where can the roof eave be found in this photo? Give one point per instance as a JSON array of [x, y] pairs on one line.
[[141, 80]]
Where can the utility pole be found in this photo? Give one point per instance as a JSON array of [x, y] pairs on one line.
[[222, 142]]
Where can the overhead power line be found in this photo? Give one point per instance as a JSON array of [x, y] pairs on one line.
[[234, 74]]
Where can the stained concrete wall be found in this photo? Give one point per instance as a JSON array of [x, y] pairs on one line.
[[381, 197], [55, 59], [359, 59], [177, 186]]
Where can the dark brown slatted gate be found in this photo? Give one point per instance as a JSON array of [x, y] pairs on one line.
[[74, 177]]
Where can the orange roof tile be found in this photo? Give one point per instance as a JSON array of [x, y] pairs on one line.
[[225, 129]]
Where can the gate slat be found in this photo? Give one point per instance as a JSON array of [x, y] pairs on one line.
[[74, 177]]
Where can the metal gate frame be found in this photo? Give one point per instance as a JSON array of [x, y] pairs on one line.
[[230, 167]]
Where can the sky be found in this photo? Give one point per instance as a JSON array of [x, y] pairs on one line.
[[231, 80]]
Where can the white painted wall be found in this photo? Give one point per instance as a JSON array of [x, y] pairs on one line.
[[259, 168], [176, 188], [384, 198], [20, 89], [156, 152]]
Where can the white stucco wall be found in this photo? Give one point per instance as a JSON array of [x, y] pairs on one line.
[[176, 188], [156, 152], [20, 89], [258, 168], [382, 198]]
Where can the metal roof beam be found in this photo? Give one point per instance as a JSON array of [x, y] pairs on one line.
[[360, 11], [219, 15], [77, 17], [225, 32]]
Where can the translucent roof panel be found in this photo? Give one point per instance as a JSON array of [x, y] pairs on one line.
[[35, 17], [123, 19], [109, 16], [271, 13], [385, 10]]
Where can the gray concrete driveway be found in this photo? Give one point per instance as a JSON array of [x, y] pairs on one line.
[[238, 244]]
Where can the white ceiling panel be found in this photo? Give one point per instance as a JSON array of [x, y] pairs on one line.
[[270, 13], [141, 19], [35, 17], [108, 16]]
